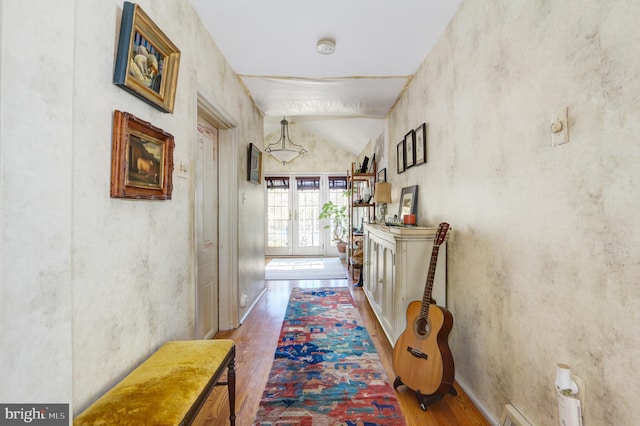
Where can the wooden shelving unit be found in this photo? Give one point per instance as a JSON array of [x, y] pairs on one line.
[[361, 187]]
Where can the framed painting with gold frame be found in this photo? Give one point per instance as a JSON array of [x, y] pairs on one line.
[[147, 61], [141, 159]]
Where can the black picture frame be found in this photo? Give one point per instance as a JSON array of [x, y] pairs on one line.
[[400, 156], [421, 144], [365, 164], [408, 201], [382, 175], [409, 149], [254, 165]]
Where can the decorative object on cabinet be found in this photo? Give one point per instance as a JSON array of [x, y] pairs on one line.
[[394, 272], [409, 219], [359, 191], [147, 61], [408, 201], [421, 144], [422, 358], [254, 165], [141, 159], [382, 196], [382, 175], [283, 153], [400, 156], [409, 151]]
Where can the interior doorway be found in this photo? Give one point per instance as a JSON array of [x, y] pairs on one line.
[[227, 309], [206, 197]]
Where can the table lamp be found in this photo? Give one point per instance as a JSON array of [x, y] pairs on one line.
[[382, 196]]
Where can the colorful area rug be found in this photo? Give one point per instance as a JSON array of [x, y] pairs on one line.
[[305, 268], [326, 369]]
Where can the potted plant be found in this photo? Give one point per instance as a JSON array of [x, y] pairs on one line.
[[338, 218]]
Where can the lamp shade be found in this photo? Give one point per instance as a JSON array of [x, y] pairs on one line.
[[383, 193]]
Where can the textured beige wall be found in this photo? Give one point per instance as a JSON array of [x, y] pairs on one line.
[[36, 135], [543, 261], [92, 285]]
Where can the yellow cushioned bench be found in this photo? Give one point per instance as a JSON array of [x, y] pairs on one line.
[[169, 388]]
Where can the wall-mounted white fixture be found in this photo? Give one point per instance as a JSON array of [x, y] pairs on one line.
[[564, 383], [326, 46], [569, 406], [283, 153], [182, 171]]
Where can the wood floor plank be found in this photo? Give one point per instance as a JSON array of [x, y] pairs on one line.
[[256, 341]]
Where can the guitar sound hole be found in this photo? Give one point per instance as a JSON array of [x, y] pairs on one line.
[[422, 327]]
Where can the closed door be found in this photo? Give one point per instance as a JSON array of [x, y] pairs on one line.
[[206, 195], [293, 207]]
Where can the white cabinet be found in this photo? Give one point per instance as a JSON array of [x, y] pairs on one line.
[[396, 264]]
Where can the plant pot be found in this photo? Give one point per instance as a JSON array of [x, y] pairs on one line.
[[342, 247]]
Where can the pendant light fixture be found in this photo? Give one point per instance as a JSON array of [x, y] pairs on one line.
[[279, 149]]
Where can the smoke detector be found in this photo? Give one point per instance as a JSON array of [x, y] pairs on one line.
[[326, 46]]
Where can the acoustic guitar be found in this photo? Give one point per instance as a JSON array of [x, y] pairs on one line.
[[421, 357]]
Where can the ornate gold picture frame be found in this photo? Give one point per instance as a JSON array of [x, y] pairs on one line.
[[141, 159], [147, 61]]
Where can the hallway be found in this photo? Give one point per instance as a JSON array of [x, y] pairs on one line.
[[256, 341]]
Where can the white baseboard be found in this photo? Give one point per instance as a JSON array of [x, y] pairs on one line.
[[491, 418], [264, 290]]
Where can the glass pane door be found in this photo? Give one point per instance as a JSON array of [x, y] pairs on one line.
[[293, 207], [278, 227], [337, 185], [306, 225]]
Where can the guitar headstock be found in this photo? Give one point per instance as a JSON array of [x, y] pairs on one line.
[[441, 235]]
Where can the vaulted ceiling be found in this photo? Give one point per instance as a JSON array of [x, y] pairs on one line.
[[344, 96]]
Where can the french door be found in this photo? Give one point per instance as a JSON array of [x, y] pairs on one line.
[[293, 206]]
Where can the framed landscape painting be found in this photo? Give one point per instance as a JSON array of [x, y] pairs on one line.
[[141, 159]]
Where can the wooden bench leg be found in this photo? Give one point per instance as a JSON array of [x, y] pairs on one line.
[[231, 388]]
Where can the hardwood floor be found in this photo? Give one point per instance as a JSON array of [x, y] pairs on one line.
[[256, 341]]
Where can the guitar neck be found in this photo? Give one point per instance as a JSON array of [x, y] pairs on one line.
[[428, 288]]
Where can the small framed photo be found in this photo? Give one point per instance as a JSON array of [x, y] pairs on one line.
[[147, 61], [421, 144], [141, 159], [382, 175], [409, 148], [408, 201], [400, 156], [254, 165]]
